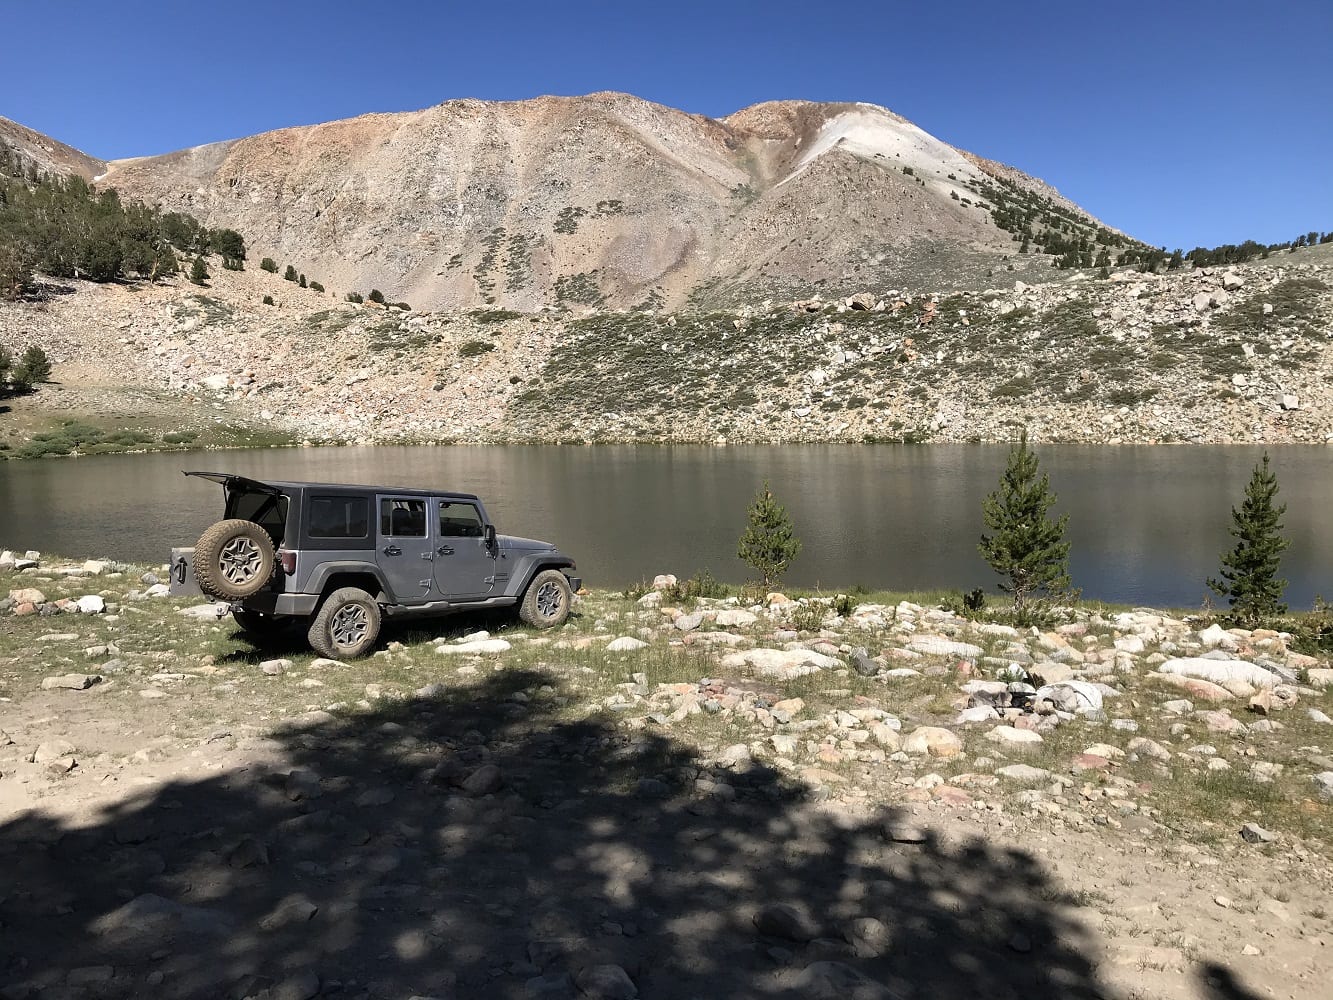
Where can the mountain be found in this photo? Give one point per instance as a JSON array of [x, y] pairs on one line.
[[45, 155], [610, 200]]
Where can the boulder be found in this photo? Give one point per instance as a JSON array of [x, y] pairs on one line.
[[625, 644], [1071, 696], [1220, 671], [933, 645], [934, 741], [735, 617], [71, 682], [783, 664], [1013, 737]]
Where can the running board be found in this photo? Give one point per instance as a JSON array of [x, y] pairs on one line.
[[445, 607]]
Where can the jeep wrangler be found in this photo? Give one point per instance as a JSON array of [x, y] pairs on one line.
[[337, 558]]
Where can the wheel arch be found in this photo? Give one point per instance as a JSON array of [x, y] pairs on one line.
[[335, 576], [537, 565]]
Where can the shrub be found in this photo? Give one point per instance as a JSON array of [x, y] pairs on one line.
[[198, 272], [269, 265], [376, 296], [355, 297], [301, 281], [268, 300], [289, 274], [474, 348], [702, 584], [316, 286]]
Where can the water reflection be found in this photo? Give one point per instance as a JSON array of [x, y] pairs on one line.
[[1147, 523]]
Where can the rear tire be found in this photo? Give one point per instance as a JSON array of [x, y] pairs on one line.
[[346, 626], [233, 560], [547, 601]]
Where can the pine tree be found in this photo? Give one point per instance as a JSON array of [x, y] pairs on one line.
[[5, 362], [269, 264], [1027, 547], [1249, 571], [376, 296], [290, 273], [768, 544], [198, 271]]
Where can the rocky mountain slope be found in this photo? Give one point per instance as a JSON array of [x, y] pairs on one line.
[[1204, 355], [606, 200]]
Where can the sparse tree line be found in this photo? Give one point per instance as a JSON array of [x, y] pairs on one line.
[[1028, 550], [62, 227], [20, 376]]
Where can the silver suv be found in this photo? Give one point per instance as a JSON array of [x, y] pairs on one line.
[[338, 558]]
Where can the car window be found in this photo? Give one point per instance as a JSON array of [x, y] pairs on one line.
[[339, 517], [266, 509], [402, 518], [459, 520]]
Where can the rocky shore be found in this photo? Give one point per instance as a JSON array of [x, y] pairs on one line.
[[802, 796], [1211, 355]]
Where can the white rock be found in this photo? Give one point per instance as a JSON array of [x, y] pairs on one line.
[[1219, 671], [982, 713], [476, 646], [932, 645], [91, 604], [625, 644], [1089, 695], [204, 612], [1129, 644], [781, 663], [1215, 635], [1010, 736], [733, 617]]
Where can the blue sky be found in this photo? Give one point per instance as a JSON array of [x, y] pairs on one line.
[[1181, 122]]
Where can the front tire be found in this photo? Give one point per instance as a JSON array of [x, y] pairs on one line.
[[347, 625], [233, 560], [547, 601]]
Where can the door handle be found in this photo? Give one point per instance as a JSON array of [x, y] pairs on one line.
[[445, 550], [428, 555], [392, 550]]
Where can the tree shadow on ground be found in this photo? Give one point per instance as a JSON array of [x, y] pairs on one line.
[[1217, 982], [480, 844]]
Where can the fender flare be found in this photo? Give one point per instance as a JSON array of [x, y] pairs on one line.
[[319, 580]]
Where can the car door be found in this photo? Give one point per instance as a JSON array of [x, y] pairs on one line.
[[405, 551], [464, 563]]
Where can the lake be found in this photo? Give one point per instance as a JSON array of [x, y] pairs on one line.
[[1147, 523]]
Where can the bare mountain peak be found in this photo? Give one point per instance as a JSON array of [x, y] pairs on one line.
[[608, 199]]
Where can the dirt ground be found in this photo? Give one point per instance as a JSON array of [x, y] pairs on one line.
[[213, 820]]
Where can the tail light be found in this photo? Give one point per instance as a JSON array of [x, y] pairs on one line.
[[287, 559]]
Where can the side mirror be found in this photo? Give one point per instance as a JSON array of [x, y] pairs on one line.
[[490, 536]]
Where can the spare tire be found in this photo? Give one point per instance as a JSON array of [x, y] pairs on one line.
[[233, 560]]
